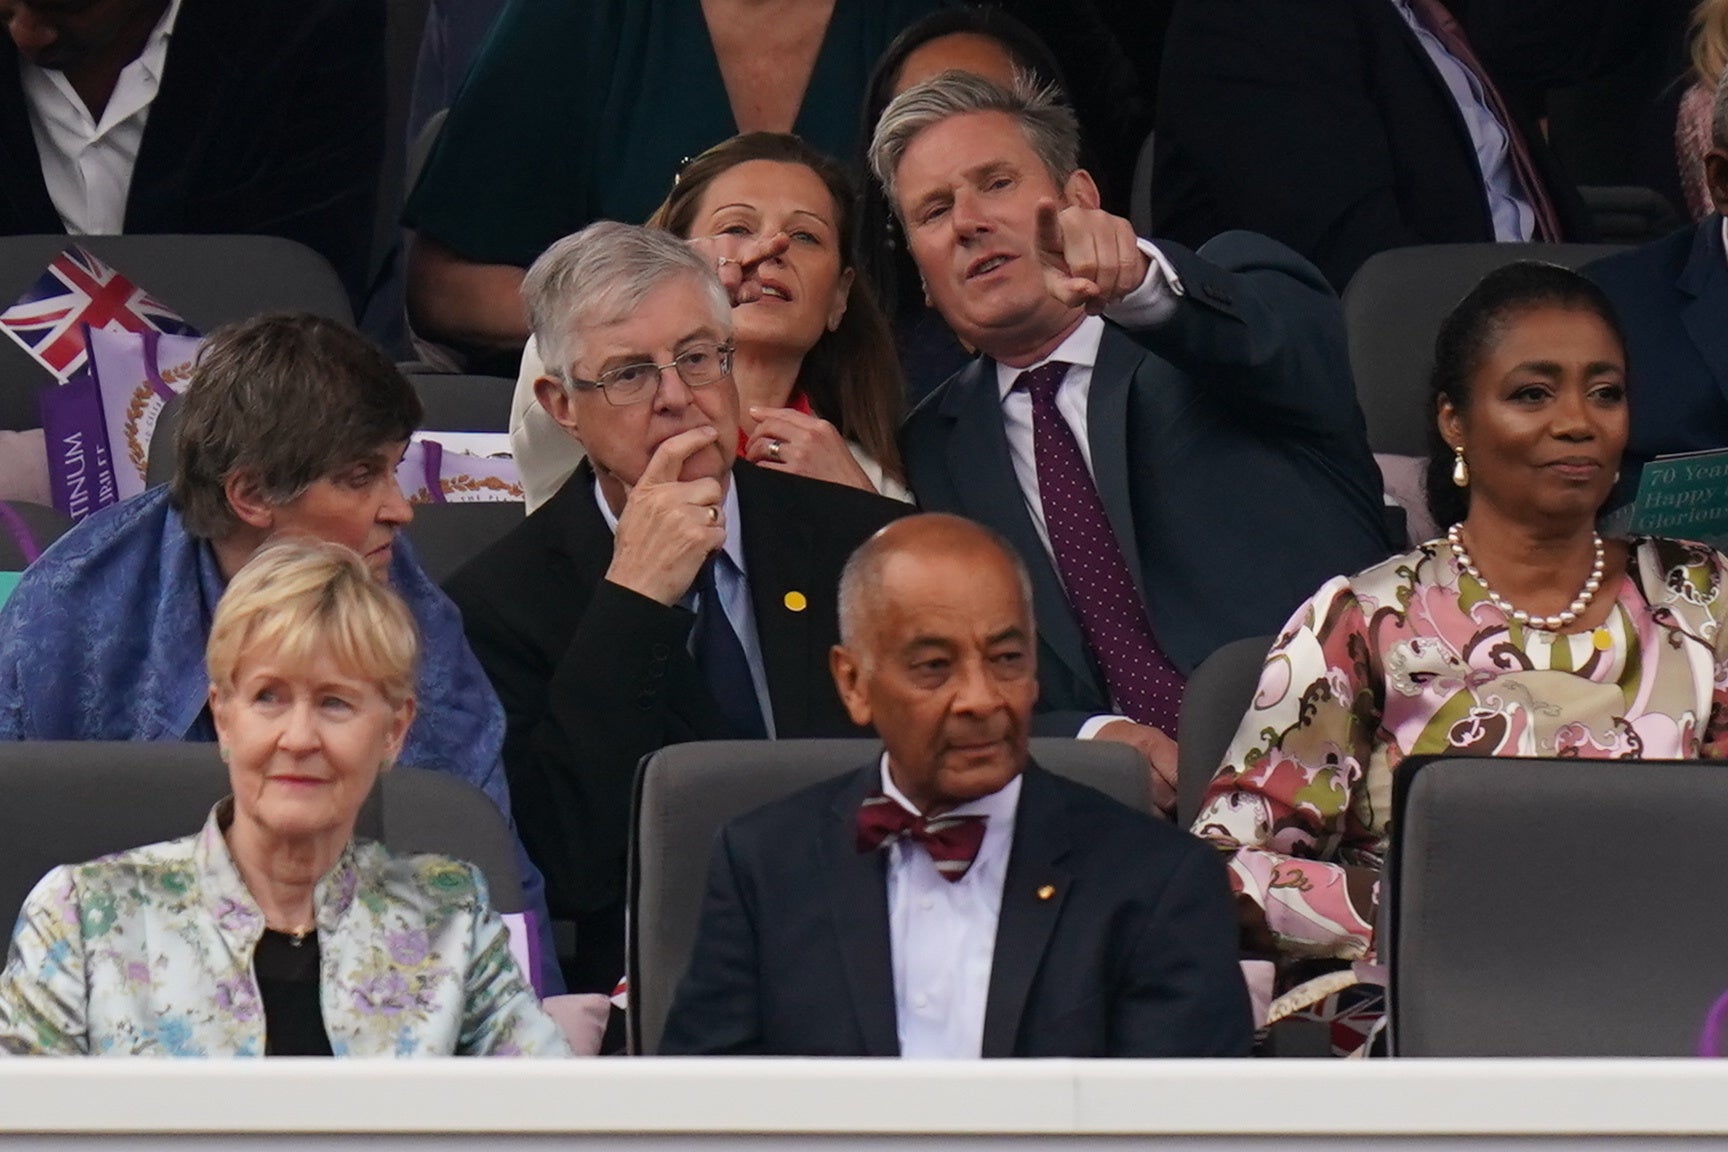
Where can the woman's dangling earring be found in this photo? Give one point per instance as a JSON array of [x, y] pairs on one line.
[[1460, 470]]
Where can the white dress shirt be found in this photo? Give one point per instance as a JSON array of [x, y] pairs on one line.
[[733, 582], [942, 933], [87, 163], [1149, 304], [1508, 204]]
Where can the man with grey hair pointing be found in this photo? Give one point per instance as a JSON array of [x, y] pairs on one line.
[[1170, 439], [668, 592], [953, 900]]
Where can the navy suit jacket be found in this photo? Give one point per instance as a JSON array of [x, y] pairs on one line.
[[1228, 450], [1325, 124], [1134, 954], [1672, 297], [269, 121]]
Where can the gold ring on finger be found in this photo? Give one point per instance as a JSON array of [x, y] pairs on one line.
[[774, 450], [713, 514]]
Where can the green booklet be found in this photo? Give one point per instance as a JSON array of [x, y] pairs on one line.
[[1684, 496]]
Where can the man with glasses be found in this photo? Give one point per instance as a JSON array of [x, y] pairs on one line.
[[668, 592]]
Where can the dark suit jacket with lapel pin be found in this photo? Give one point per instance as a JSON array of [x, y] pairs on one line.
[[1116, 937], [594, 677], [1228, 450], [269, 121], [1672, 297]]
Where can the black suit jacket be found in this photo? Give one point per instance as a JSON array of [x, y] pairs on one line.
[[594, 677], [1228, 450], [1134, 954], [1324, 124], [1672, 297], [269, 120]]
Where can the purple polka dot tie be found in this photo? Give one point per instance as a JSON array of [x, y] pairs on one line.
[[1144, 686]]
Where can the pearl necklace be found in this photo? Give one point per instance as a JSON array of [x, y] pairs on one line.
[[1553, 623]]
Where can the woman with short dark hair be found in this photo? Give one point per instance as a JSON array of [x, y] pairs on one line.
[[1521, 632]]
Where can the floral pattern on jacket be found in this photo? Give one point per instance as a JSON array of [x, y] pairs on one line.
[[149, 952], [1410, 657]]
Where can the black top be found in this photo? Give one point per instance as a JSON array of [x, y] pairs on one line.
[[287, 970]]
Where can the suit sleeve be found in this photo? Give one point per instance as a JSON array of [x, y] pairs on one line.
[[1266, 121], [576, 729], [1184, 994], [319, 182], [716, 1011], [1257, 326]]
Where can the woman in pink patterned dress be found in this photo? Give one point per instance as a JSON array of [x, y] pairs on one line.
[[1520, 633]]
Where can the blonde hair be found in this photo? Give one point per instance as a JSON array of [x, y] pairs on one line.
[[300, 598], [1710, 42]]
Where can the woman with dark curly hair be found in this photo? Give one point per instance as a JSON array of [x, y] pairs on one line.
[[1520, 632]]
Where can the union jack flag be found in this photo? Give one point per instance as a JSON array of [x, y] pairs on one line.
[[78, 289]]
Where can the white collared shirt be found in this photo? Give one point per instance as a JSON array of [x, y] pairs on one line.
[[1149, 304], [942, 934], [87, 163], [733, 583]]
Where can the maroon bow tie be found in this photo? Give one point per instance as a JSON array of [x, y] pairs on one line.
[[952, 841]]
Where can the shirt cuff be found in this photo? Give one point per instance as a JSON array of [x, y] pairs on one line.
[[1089, 730], [1154, 301]]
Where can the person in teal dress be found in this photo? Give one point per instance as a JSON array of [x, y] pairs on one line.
[[576, 112]]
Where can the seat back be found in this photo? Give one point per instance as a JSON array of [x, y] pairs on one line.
[[26, 531], [1393, 306], [71, 801], [458, 403], [687, 792], [1555, 907], [447, 536], [1217, 697], [210, 280]]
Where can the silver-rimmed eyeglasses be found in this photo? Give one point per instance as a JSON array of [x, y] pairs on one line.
[[698, 366]]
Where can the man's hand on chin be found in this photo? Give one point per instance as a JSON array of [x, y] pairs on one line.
[[668, 526]]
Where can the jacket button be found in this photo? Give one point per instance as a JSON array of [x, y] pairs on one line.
[[660, 652]]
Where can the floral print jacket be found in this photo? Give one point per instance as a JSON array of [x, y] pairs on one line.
[[149, 952], [1411, 657]]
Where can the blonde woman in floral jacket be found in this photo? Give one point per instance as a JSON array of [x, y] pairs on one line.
[[271, 931]]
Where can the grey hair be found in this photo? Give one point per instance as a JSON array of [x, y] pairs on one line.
[[1719, 115], [861, 578], [599, 276], [1049, 124]]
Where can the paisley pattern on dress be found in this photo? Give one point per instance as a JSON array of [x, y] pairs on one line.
[[1410, 657]]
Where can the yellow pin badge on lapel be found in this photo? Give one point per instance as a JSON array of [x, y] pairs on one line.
[[795, 601], [1047, 891]]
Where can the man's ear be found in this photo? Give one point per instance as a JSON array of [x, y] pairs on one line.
[[559, 404], [1080, 189], [848, 672], [1716, 178], [248, 503]]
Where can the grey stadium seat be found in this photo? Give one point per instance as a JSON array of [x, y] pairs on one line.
[[1555, 907], [687, 792], [210, 280], [1213, 705], [71, 801], [1392, 312], [27, 532], [456, 403]]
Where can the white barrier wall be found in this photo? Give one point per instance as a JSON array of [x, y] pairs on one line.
[[653, 1104]]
